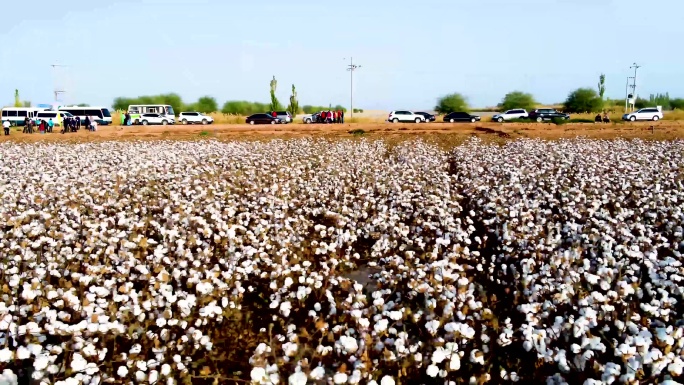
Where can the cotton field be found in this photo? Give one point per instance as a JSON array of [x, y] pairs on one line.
[[342, 262]]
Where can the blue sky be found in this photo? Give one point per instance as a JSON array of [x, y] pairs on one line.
[[410, 52]]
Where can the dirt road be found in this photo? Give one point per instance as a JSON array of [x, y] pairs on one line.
[[442, 131]]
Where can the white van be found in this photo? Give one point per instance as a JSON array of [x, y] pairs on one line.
[[101, 114], [17, 115], [51, 114]]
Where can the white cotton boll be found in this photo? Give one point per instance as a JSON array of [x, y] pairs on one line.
[[439, 355], [165, 369], [454, 362], [349, 344], [6, 355], [23, 353], [41, 363], [317, 374], [432, 371], [122, 371], [340, 378], [258, 374], [297, 378], [387, 380]]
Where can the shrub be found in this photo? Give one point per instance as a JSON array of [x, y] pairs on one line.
[[583, 100], [357, 132], [517, 99], [452, 103]]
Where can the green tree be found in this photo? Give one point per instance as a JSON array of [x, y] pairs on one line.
[[451, 103], [602, 86], [582, 100], [518, 99], [677, 104], [275, 104], [293, 108], [17, 100], [27, 103], [242, 107], [206, 104]]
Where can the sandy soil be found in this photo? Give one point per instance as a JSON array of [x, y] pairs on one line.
[[439, 131]]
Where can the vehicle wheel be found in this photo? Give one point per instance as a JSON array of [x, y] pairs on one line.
[[417, 120], [164, 122], [273, 122], [395, 120], [473, 120], [307, 121], [451, 120], [184, 121], [655, 118], [204, 121], [144, 122], [251, 122], [539, 119], [499, 119], [632, 118]]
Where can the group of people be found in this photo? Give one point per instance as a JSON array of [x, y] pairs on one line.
[[126, 119], [330, 117], [69, 124], [602, 119], [30, 125]]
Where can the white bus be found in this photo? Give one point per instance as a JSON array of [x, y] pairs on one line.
[[17, 115], [165, 110], [101, 114]]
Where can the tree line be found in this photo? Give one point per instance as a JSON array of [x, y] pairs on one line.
[[581, 100], [208, 104]]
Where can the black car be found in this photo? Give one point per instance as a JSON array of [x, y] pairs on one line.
[[542, 114], [428, 117], [461, 117], [262, 119]]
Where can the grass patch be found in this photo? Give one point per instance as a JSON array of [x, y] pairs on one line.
[[204, 133], [357, 132]]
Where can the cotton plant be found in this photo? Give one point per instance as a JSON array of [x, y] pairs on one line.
[[346, 262]]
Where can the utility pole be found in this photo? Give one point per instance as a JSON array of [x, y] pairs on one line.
[[634, 94], [351, 68], [59, 90]]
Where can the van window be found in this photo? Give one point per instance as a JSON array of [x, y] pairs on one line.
[[4, 113], [105, 113], [11, 113], [22, 114], [93, 112]]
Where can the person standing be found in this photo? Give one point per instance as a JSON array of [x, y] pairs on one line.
[[41, 126], [27, 125], [50, 125], [93, 124], [6, 126], [87, 123], [342, 116], [78, 123]]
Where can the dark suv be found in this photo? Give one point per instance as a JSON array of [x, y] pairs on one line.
[[542, 114]]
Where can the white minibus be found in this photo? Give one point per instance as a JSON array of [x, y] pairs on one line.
[[101, 114]]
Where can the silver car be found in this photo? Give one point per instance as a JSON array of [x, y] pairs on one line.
[[510, 115]]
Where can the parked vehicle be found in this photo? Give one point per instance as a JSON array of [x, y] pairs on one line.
[[51, 114], [17, 115], [428, 117], [648, 113], [311, 118], [510, 115], [147, 119], [194, 118], [461, 117], [542, 114], [101, 114], [262, 119], [284, 116], [405, 116], [136, 110]]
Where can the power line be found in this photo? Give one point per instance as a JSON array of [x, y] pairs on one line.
[[351, 68]]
